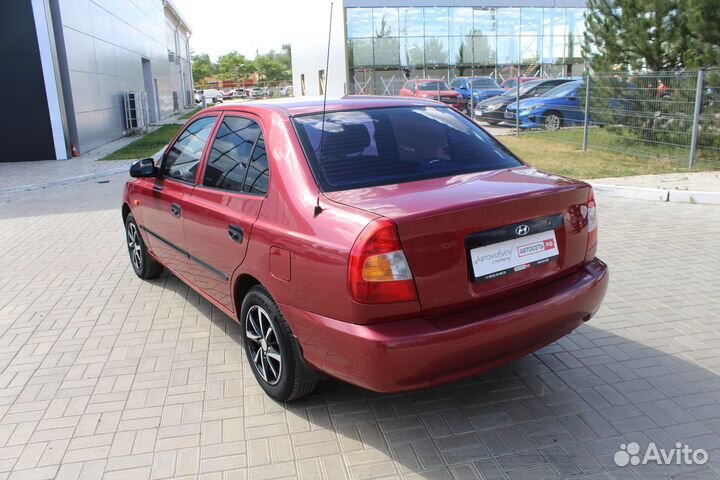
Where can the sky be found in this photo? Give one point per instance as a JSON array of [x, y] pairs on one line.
[[220, 26]]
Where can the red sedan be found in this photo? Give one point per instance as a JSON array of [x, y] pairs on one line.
[[391, 243], [432, 89]]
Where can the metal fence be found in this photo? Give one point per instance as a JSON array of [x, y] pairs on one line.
[[672, 116]]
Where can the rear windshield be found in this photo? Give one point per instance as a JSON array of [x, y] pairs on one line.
[[484, 83], [367, 148], [562, 90], [439, 85], [523, 88]]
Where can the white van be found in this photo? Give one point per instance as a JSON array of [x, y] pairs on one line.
[[212, 95]]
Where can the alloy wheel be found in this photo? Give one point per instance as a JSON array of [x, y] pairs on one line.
[[552, 122], [263, 344], [134, 246]]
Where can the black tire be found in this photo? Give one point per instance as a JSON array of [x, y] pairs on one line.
[[547, 119], [283, 379], [144, 265], [493, 122]]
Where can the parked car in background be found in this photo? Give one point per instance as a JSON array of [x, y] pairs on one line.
[[482, 88], [211, 95], [229, 95], [257, 92], [433, 89], [406, 249], [286, 91], [492, 110], [557, 108], [512, 81]]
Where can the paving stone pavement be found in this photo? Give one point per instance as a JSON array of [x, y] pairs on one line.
[[102, 374]]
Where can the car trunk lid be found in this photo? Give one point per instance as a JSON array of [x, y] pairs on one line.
[[460, 234]]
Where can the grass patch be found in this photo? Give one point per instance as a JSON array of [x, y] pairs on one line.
[[555, 155], [191, 113], [145, 146]]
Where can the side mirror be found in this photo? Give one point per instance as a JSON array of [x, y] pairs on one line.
[[572, 98], [144, 168]]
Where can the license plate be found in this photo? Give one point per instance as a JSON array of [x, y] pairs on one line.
[[478, 113], [509, 115], [503, 258]]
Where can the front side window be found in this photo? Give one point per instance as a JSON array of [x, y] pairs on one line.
[[383, 146], [231, 152], [427, 86], [182, 159]]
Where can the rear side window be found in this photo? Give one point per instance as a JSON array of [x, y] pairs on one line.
[[231, 152], [366, 148], [182, 159], [257, 176]]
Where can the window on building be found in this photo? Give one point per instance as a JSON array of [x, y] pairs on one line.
[[359, 21], [385, 22], [411, 22], [182, 159], [302, 84], [231, 152], [321, 81]]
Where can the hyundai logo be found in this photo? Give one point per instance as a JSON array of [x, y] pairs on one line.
[[522, 230]]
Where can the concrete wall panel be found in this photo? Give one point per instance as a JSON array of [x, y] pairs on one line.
[[105, 42]]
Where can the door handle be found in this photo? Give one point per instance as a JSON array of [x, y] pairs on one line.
[[175, 210], [236, 233]]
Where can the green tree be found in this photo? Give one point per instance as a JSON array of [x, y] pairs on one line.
[[654, 34], [235, 67], [274, 66], [285, 55], [703, 26], [636, 34], [202, 67]]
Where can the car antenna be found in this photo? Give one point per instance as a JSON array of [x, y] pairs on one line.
[[318, 208]]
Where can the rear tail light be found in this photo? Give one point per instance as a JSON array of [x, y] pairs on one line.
[[379, 271], [592, 226]]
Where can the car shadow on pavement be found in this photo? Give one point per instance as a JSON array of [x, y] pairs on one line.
[[563, 412]]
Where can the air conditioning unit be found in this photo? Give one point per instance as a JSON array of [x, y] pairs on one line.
[[137, 115], [171, 56]]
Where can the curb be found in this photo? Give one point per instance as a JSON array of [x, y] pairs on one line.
[[81, 178], [64, 181], [658, 194]]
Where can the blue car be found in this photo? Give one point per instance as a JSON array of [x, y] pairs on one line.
[[559, 107], [482, 89]]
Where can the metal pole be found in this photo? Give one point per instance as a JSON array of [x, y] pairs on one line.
[[517, 96], [472, 108], [587, 112], [696, 118]]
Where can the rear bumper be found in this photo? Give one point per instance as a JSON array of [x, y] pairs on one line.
[[418, 353]]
